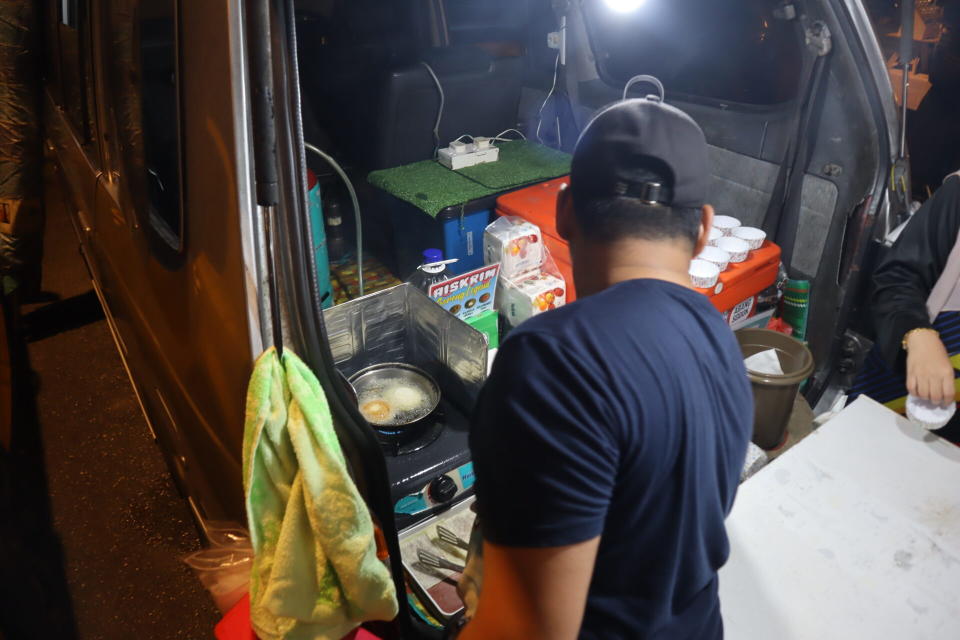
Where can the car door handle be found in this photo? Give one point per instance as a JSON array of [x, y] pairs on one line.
[[85, 225]]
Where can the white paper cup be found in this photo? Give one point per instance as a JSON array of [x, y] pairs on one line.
[[715, 255], [924, 413], [737, 248], [715, 234], [725, 224], [704, 274], [753, 237]]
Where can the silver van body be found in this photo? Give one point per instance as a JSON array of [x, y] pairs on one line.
[[181, 303]]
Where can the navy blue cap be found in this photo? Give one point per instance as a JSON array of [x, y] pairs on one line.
[[630, 139]]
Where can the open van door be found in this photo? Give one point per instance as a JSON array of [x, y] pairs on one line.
[[280, 178]]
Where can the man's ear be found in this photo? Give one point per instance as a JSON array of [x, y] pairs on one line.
[[566, 224], [706, 223]]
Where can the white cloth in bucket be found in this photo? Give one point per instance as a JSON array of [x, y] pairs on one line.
[[765, 363]]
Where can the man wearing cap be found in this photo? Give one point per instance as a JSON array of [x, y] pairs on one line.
[[609, 439]]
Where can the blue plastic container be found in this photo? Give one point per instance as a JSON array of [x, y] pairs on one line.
[[319, 237], [457, 231], [463, 240]]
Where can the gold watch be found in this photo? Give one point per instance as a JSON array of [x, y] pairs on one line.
[[907, 335]]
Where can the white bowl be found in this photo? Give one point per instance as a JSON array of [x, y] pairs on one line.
[[725, 224], [715, 255], [930, 416], [703, 274], [715, 234], [737, 248], [753, 237]]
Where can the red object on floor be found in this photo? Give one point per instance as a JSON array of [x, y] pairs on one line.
[[778, 324], [235, 625]]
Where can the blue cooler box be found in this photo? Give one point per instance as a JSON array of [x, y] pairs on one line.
[[457, 231]]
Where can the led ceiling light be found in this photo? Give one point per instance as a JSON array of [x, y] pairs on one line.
[[624, 6]]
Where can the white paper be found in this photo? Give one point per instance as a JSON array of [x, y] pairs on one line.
[[828, 543], [765, 363]]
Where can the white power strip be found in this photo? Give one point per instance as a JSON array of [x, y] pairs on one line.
[[460, 154]]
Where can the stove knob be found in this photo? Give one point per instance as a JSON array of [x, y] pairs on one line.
[[443, 489]]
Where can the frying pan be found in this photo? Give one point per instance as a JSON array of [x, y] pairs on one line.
[[371, 377]]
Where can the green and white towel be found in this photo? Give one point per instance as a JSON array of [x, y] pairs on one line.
[[315, 573]]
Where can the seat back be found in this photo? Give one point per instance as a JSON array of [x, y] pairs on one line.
[[481, 98]]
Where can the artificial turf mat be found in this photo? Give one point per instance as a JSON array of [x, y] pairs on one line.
[[521, 162], [430, 186]]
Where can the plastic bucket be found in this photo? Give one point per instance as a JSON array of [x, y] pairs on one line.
[[774, 395]]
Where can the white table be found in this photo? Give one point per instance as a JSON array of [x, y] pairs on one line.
[[852, 534]]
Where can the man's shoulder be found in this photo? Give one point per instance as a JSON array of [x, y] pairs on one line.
[[640, 311], [634, 298]]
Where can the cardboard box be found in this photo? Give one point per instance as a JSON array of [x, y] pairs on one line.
[[746, 315], [468, 295], [521, 300], [516, 244]]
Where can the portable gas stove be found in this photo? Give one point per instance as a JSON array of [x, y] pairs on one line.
[[429, 466], [428, 463]]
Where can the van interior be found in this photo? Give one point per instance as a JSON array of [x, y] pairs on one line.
[[385, 84]]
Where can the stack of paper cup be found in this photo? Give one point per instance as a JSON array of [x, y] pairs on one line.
[[715, 255], [753, 237], [704, 274], [715, 234], [930, 416], [756, 460], [725, 224], [737, 248]]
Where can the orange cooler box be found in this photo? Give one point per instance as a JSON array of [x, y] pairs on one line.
[[735, 294]]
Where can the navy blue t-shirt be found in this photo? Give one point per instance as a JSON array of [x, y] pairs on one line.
[[624, 415]]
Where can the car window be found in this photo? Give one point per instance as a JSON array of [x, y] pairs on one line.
[[146, 109], [734, 50], [76, 77], [473, 21]]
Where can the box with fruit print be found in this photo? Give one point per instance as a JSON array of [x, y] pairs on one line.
[[516, 244], [521, 300]]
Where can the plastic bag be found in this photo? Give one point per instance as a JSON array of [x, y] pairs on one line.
[[516, 244], [533, 293], [223, 568]]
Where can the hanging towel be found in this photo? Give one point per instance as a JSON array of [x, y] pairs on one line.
[[315, 571]]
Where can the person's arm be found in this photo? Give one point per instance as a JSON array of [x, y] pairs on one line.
[[529, 594], [546, 463], [903, 282]]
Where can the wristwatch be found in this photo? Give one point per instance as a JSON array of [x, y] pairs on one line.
[[906, 336]]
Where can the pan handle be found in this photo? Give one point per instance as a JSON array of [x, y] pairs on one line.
[[349, 387]]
